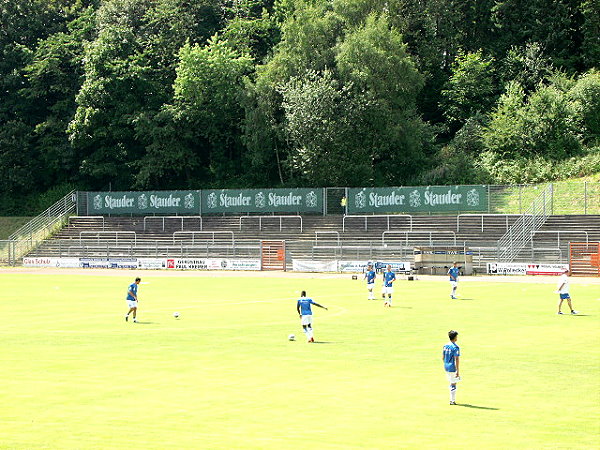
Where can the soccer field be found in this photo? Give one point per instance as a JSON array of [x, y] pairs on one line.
[[76, 375]]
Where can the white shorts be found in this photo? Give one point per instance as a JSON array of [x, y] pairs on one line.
[[131, 303], [452, 378], [370, 286], [388, 290], [454, 284], [306, 320]]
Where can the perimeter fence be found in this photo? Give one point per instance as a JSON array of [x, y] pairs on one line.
[[567, 198]]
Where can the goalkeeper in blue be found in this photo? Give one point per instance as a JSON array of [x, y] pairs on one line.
[[451, 357]]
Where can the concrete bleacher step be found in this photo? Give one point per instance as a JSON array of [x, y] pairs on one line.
[[320, 237]]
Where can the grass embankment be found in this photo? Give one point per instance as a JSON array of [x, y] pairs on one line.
[[9, 225], [573, 196]]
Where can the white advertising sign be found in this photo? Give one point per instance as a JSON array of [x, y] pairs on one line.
[[152, 263], [506, 268], [352, 266], [308, 265], [396, 266], [525, 269], [212, 264], [546, 269], [51, 262], [108, 263]]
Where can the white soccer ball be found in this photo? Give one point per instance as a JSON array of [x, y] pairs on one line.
[[291, 337], [176, 315]]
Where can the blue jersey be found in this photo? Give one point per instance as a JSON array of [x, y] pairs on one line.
[[388, 278], [370, 276], [453, 272], [305, 306], [133, 288], [450, 351]]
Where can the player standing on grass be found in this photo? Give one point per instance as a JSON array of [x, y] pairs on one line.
[[370, 277], [451, 356], [132, 299], [388, 285], [453, 272], [305, 313], [563, 292]]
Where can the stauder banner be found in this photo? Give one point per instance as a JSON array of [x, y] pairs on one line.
[[144, 203], [417, 199], [262, 200]]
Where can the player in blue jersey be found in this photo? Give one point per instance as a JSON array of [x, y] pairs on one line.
[[388, 285], [453, 272], [370, 277], [451, 357], [132, 299], [305, 313]]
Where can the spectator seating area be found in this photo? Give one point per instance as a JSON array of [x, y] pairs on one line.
[[311, 236]]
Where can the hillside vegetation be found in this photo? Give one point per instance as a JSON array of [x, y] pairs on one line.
[[167, 94]]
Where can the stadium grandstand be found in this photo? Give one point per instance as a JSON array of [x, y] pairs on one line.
[[315, 229]]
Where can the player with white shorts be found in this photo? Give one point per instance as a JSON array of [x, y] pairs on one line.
[[451, 358], [370, 277], [453, 272], [132, 299], [563, 292], [388, 286], [306, 317]]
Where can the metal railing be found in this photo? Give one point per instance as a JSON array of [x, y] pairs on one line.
[[178, 234], [260, 219], [39, 228], [558, 233], [567, 198], [388, 217], [317, 233], [430, 233], [116, 234], [506, 216], [519, 234], [162, 218], [91, 217]]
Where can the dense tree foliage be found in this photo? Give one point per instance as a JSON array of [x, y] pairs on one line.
[[162, 94]]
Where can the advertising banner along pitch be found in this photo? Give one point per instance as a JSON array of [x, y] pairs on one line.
[[417, 199], [144, 203], [262, 200]]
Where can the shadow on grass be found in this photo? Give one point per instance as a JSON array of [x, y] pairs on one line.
[[466, 405], [323, 342], [139, 322], [579, 315]]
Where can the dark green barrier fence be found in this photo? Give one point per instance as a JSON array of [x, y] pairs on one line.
[[432, 199], [144, 203], [418, 199], [262, 200]]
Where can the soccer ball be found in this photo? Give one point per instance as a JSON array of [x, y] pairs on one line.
[[291, 337], [176, 315]]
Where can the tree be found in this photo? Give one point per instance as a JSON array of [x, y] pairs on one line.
[[527, 65], [374, 59], [471, 88], [590, 46], [129, 72], [326, 130], [585, 98], [555, 24], [207, 106], [54, 77]]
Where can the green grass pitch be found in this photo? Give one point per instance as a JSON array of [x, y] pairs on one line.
[[76, 375]]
